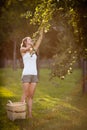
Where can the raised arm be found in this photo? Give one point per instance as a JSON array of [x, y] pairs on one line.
[[24, 49], [38, 42]]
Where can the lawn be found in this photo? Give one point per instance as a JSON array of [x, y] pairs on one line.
[[58, 104]]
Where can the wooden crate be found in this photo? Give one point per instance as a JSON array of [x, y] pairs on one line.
[[16, 110]]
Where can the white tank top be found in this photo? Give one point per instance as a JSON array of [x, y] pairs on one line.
[[30, 66]]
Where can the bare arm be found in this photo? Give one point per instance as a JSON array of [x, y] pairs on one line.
[[24, 49], [38, 42]]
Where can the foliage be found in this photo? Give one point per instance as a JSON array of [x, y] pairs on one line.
[[63, 62], [41, 16], [67, 50]]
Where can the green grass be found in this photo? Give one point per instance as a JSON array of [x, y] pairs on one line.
[[58, 104]]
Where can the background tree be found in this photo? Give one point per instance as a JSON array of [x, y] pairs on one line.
[[12, 29], [74, 50]]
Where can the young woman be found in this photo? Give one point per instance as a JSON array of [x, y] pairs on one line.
[[29, 74]]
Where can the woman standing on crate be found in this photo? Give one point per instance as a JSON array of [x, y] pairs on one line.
[[29, 75]]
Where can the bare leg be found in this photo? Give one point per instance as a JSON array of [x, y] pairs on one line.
[[25, 91], [31, 91]]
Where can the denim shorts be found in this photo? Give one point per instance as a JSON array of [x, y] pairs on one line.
[[29, 79]]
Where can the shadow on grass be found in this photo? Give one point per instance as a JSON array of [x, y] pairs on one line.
[[26, 124]]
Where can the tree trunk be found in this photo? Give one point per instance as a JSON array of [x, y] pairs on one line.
[[85, 76], [14, 57]]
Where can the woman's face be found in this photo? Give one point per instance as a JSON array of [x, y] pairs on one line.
[[29, 42]]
